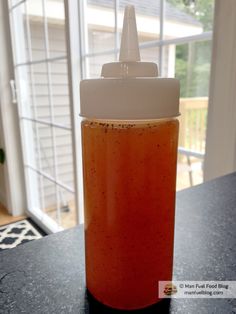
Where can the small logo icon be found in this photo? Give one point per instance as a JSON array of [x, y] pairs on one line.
[[170, 289]]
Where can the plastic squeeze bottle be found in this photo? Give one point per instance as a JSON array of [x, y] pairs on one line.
[[129, 141]]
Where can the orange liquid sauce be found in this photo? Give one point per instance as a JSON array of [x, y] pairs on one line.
[[129, 195]]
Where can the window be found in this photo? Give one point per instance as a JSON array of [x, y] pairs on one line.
[[176, 34]]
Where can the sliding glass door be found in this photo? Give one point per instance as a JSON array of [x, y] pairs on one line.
[[45, 110]]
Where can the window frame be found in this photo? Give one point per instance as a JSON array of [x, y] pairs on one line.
[[159, 43]]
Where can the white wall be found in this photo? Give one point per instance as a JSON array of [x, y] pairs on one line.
[[3, 200], [13, 177], [221, 131]]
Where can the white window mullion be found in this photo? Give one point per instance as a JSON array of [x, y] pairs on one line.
[[158, 43], [76, 72], [50, 59], [50, 178], [83, 36], [162, 18], [17, 4], [51, 109], [44, 122], [38, 146], [117, 37]]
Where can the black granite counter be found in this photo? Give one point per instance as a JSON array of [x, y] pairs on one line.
[[47, 275]]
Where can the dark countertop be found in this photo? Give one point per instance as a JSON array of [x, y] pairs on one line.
[[47, 275]]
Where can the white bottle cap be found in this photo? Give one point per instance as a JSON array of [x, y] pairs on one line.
[[129, 89]]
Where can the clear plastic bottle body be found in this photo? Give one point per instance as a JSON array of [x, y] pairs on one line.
[[129, 170]]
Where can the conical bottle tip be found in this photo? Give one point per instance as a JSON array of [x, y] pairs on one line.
[[129, 50], [129, 11]]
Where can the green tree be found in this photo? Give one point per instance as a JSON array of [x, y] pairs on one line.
[[202, 10], [192, 65], [192, 68]]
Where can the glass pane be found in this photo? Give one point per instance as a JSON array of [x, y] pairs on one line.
[[187, 17], [66, 215], [57, 202], [60, 92], [147, 18], [94, 64], [55, 12], [35, 34], [14, 2], [40, 91], [63, 143], [46, 91], [183, 172], [48, 198], [34, 28], [150, 54], [57, 40], [45, 154], [65, 175], [31, 151], [37, 28], [68, 209], [190, 63], [100, 40], [100, 25]]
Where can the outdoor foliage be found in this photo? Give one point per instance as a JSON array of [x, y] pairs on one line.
[[192, 66], [202, 10]]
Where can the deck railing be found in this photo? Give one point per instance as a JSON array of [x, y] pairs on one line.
[[193, 122]]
